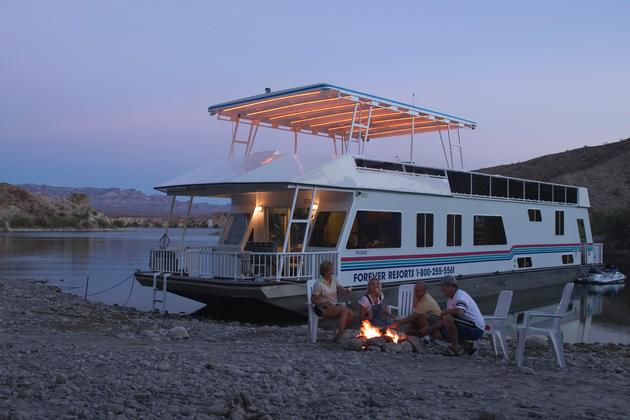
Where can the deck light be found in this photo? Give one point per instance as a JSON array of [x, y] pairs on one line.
[[258, 209], [270, 100], [316, 101]]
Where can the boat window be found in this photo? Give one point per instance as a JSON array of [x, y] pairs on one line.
[[327, 228], [424, 230], [559, 222], [515, 188], [524, 262], [572, 195], [534, 215], [559, 194], [424, 171], [581, 230], [276, 219], [545, 192], [375, 229], [459, 182], [567, 259], [499, 186], [375, 164], [234, 229], [531, 191], [453, 230], [488, 230], [480, 184]]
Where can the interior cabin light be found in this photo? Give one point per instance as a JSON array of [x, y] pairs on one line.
[[257, 209], [315, 206]]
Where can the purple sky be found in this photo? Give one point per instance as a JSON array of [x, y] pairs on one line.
[[115, 93]]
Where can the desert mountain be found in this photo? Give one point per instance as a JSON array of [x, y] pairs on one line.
[[116, 202], [604, 170], [21, 209]]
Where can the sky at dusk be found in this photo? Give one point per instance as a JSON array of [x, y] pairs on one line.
[[115, 93]]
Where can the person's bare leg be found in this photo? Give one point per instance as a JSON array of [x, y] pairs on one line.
[[340, 313], [449, 324]]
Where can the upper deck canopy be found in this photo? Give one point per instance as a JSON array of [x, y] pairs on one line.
[[333, 111]]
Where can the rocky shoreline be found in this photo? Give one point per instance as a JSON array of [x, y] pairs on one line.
[[62, 357]]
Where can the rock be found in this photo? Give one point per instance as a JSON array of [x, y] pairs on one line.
[[178, 333], [61, 379], [353, 344], [393, 347], [218, 409], [527, 370], [491, 415], [143, 397], [416, 343], [377, 400], [406, 347], [148, 333], [373, 348], [163, 365], [376, 341]]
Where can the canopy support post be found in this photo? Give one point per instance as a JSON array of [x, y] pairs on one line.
[[295, 142], [450, 145], [249, 143], [164, 240], [190, 202], [443, 147]]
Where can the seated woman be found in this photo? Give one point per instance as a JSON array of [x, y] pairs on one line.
[[324, 297], [372, 306]]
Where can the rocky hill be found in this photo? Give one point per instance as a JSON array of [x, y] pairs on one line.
[[604, 170], [116, 202], [21, 209]]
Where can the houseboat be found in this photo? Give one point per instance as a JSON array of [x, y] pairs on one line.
[[393, 220]]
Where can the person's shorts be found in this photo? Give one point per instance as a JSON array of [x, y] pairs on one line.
[[318, 311], [466, 330]]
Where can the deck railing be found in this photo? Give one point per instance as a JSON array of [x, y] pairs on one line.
[[209, 262]]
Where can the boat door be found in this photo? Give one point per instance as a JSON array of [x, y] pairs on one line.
[[583, 242]]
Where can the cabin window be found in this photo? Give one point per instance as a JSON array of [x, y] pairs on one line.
[[499, 186], [488, 230], [534, 215], [453, 230], [327, 229], [524, 262], [559, 222], [545, 192], [515, 188], [424, 230], [459, 182], [480, 184], [572, 195], [375, 229], [234, 229], [567, 259], [531, 191], [559, 194]]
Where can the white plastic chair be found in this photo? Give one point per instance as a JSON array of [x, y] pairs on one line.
[[496, 323], [405, 301], [313, 319], [553, 333]]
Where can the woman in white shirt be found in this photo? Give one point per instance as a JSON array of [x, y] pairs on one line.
[[372, 306], [324, 297]]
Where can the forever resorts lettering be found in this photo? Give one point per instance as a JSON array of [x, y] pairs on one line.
[[403, 274]]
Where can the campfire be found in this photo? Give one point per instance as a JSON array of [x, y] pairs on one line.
[[370, 331], [372, 338]]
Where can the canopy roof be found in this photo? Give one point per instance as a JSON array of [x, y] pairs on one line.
[[332, 111]]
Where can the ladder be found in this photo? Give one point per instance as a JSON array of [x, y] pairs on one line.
[[159, 296], [306, 222], [357, 125], [248, 143]]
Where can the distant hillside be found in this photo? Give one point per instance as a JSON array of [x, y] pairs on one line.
[[116, 202], [604, 170], [21, 209]]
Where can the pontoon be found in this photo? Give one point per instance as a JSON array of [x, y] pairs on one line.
[[393, 220]]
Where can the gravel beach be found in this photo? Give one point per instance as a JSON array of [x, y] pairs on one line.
[[62, 357]]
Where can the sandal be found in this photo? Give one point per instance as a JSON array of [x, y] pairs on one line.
[[450, 351]]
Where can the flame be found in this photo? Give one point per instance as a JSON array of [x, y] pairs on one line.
[[370, 331], [393, 335]]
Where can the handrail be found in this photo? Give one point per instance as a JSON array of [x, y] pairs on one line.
[[208, 262]]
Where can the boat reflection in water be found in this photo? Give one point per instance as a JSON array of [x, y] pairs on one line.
[[596, 313]]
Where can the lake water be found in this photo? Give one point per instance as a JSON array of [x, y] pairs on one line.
[[67, 259]]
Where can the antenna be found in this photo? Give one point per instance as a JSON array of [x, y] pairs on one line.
[[413, 126]]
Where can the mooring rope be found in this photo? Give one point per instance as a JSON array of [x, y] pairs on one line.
[[112, 287]]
